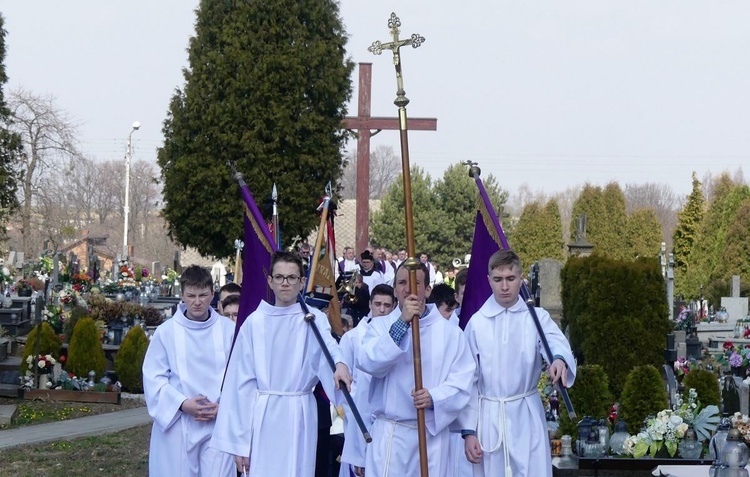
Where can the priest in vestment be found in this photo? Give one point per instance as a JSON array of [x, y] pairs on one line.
[[268, 416], [504, 425], [182, 373], [447, 371]]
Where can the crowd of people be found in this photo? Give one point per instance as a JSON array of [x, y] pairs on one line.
[[268, 403]]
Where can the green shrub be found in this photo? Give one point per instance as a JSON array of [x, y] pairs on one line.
[[706, 384], [49, 343], [85, 352], [590, 397], [616, 314], [76, 314], [644, 393], [129, 360]]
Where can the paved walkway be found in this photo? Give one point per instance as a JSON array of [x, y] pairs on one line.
[[75, 428]]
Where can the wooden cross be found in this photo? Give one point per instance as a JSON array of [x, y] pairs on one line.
[[366, 127]]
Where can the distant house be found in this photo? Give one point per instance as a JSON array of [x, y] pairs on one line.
[[94, 244]]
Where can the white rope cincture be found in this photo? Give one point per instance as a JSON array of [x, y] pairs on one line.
[[390, 439], [502, 438]]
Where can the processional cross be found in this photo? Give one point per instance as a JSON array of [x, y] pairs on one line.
[[412, 264]]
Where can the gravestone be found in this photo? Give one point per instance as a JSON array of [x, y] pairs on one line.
[[219, 273], [730, 394], [549, 281], [55, 270], [682, 350], [18, 264], [581, 247], [670, 382], [735, 305], [744, 396], [670, 285], [670, 352]]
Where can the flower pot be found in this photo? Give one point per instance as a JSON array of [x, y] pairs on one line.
[[740, 371], [43, 381], [25, 292]]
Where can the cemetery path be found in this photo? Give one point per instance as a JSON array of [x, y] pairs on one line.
[[75, 428]]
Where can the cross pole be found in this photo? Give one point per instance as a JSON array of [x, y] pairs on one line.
[[412, 264], [367, 127]]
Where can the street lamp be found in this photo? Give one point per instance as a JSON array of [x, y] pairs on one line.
[[136, 126]]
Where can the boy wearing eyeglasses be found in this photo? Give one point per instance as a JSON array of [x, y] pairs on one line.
[[182, 374], [267, 396]]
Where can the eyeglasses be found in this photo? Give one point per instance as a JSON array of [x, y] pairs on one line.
[[290, 279]]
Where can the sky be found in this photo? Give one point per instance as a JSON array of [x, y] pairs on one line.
[[548, 94]]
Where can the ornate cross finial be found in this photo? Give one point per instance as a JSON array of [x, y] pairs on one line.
[[239, 244], [416, 40]]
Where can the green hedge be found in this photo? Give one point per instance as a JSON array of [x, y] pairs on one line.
[[589, 395], [50, 343], [616, 314], [85, 352], [644, 393], [706, 385], [129, 360]]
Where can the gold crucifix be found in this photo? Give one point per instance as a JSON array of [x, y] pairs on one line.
[[416, 40]]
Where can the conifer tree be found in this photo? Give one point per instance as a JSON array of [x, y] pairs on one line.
[[457, 196], [538, 233], [444, 213], [388, 224], [10, 147], [85, 352], [606, 219], [711, 241], [735, 258], [265, 92], [688, 222], [644, 234]]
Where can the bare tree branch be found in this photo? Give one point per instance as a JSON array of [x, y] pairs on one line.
[[385, 166], [48, 136]]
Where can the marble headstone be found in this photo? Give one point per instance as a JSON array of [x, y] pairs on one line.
[[549, 281]]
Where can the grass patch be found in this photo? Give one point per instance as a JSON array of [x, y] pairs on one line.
[[122, 453], [30, 413]]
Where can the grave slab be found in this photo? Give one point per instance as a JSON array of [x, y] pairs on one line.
[[6, 413], [736, 307]]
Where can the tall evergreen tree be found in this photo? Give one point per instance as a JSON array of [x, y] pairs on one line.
[[538, 233], [644, 234], [606, 219], [444, 213], [10, 147], [389, 223], [265, 92], [735, 258], [457, 196], [703, 267], [688, 222]]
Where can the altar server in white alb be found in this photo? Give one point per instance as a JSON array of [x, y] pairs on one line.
[[268, 416], [447, 370], [182, 374], [382, 302], [504, 425]]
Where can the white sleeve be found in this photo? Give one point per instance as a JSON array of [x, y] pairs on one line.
[[162, 399]]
